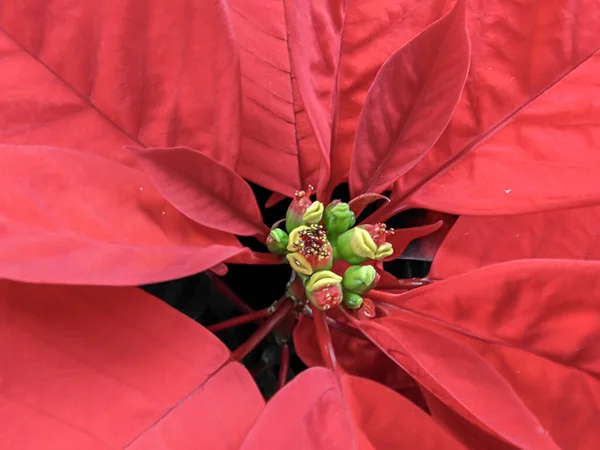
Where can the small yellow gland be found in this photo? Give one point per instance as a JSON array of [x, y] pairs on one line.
[[314, 213], [299, 263], [322, 279], [295, 239], [384, 251], [362, 244]]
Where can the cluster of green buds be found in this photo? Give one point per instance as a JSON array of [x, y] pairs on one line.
[[316, 237]]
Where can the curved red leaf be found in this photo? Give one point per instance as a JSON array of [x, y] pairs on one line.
[[204, 190], [402, 237], [274, 198], [501, 344], [410, 103], [97, 368], [335, 58], [164, 75], [318, 410], [77, 218], [473, 241], [359, 203], [504, 149], [372, 32]]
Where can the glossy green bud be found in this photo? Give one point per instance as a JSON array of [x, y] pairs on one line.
[[352, 300], [360, 279], [338, 217], [277, 241], [356, 246]]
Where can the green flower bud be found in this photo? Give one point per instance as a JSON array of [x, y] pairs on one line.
[[338, 217], [356, 246], [360, 279], [352, 300], [277, 241]]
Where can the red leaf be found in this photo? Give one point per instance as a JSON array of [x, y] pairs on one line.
[[505, 148], [404, 236], [410, 103], [356, 355], [274, 198], [204, 190], [473, 241], [358, 204], [319, 411], [512, 347], [425, 248], [96, 368], [247, 256], [372, 32], [164, 75], [77, 218], [335, 58], [273, 128]]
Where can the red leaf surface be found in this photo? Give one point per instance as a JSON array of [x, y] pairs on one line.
[[529, 97], [373, 31], [318, 410], [159, 74], [402, 237], [410, 103], [336, 49], [473, 241], [356, 355], [511, 347], [270, 144], [113, 368], [73, 217], [204, 190]]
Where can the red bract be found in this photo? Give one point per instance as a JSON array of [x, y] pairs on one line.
[[127, 132]]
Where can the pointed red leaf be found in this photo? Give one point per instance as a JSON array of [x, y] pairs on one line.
[[204, 190], [71, 217], [402, 237], [372, 32], [410, 103], [501, 344], [274, 199], [473, 241], [318, 410], [96, 368], [164, 75], [358, 204], [336, 49], [514, 134]]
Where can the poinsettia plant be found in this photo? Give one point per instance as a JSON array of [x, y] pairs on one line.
[[129, 133]]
